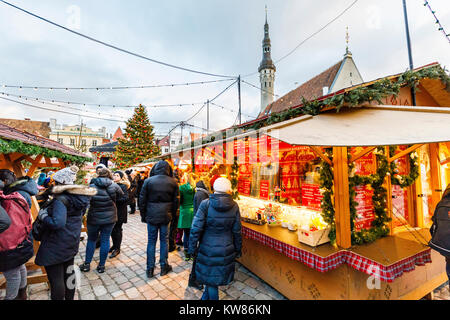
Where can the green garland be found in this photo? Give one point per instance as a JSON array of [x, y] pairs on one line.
[[234, 175], [408, 179], [11, 146], [326, 185], [380, 226], [377, 91]]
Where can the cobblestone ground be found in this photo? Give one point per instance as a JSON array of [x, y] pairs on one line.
[[125, 277]]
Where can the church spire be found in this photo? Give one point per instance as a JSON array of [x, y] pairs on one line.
[[266, 62], [266, 69]]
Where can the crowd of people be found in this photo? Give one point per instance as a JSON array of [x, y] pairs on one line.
[[196, 215], [190, 213]]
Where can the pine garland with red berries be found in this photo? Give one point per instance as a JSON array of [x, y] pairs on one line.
[[138, 143]]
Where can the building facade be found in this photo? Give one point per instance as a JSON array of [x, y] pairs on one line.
[[78, 137]]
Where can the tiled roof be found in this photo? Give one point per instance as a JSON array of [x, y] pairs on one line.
[[35, 127], [164, 142], [10, 133], [310, 90], [118, 134]]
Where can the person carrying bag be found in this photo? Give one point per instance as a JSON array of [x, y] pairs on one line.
[[16, 244]]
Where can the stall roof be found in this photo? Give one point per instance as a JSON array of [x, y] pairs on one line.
[[107, 147], [10, 133], [367, 126]]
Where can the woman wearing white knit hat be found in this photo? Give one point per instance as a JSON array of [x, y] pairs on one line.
[[216, 230], [62, 224]]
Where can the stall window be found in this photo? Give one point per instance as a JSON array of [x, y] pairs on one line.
[[402, 212], [424, 186]]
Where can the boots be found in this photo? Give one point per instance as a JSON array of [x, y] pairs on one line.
[[195, 284], [22, 294], [167, 268]]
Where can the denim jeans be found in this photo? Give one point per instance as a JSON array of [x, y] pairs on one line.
[[163, 244], [210, 293], [186, 239], [16, 279], [93, 231]]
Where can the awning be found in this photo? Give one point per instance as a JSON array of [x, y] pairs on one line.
[[366, 126]]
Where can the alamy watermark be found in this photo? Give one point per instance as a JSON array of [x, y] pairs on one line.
[[374, 281], [74, 18]]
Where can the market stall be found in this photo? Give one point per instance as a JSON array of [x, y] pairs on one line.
[[337, 205], [20, 149]]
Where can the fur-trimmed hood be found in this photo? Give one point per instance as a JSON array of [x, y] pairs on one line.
[[124, 181], [75, 189]]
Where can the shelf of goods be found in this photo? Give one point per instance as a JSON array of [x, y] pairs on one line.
[[309, 224]]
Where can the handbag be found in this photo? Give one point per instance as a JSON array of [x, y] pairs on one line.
[[192, 276]]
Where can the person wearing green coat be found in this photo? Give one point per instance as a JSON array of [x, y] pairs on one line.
[[187, 192]]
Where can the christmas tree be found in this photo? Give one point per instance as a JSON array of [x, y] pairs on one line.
[[138, 144]]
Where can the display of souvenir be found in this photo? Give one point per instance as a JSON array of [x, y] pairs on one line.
[[306, 221]]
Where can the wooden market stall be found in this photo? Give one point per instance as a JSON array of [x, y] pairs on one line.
[[18, 148], [337, 205]]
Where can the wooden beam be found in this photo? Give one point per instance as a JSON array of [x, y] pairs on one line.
[[319, 153], [48, 162], [362, 153], [341, 197], [404, 152], [34, 165], [388, 186], [435, 170]]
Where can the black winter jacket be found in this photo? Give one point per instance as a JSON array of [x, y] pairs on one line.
[[440, 230], [217, 229], [201, 194], [122, 202], [103, 209], [26, 186], [61, 239], [159, 198]]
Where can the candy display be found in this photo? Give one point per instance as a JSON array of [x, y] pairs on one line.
[[298, 218]]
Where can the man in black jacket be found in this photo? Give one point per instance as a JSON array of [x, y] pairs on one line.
[[158, 202]]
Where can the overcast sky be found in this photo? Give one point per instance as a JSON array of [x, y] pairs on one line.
[[222, 37]]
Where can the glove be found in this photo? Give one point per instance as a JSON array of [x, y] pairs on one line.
[[42, 215], [238, 255]]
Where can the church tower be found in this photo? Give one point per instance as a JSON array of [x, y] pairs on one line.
[[266, 70]]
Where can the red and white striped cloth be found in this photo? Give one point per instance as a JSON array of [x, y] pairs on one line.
[[356, 261]]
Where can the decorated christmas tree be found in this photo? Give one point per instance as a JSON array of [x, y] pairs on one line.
[[138, 144]]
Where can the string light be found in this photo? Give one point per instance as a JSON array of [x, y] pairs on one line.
[[103, 105], [114, 47], [441, 28], [116, 88]]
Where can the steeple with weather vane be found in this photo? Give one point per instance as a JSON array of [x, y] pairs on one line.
[[266, 70]]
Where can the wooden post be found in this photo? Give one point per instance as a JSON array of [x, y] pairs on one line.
[[435, 170], [388, 186], [35, 165], [341, 197]]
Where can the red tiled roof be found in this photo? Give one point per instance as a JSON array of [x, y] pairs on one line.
[[10, 133], [164, 142], [118, 134], [310, 90]]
